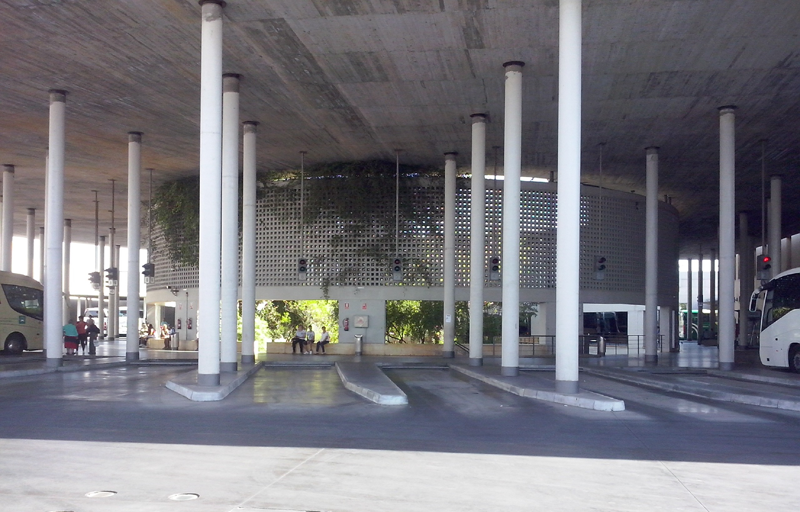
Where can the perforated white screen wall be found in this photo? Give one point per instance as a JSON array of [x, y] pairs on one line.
[[357, 250]]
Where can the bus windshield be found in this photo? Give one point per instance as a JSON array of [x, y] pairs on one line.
[[24, 300], [783, 295]]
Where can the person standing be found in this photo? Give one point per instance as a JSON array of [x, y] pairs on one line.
[[82, 335], [324, 339], [310, 335], [299, 339], [92, 331], [70, 338]]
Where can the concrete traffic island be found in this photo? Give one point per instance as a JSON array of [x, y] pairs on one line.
[[369, 381], [186, 385], [541, 389]]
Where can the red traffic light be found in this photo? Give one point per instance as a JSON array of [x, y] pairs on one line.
[[766, 259]]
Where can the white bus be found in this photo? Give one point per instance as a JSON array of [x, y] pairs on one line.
[[122, 315], [21, 312], [779, 339]]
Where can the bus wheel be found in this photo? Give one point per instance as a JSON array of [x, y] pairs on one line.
[[15, 343], [794, 358]]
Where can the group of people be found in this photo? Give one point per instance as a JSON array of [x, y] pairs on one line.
[[304, 339], [77, 334]]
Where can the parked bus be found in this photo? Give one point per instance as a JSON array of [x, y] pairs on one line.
[[21, 312], [779, 320]]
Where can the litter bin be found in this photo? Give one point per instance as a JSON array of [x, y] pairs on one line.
[[359, 338], [601, 346]]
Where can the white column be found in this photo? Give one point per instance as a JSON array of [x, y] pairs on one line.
[[774, 229], [746, 276], [30, 229], [712, 295], [449, 254], [113, 291], [42, 244], [249, 242], [666, 328], [568, 311], [700, 299], [8, 216], [117, 289], [134, 242], [230, 220], [689, 299], [509, 269], [477, 260], [727, 252], [54, 209], [67, 315], [651, 260], [101, 299], [210, 194]]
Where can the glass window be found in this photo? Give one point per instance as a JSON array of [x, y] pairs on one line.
[[783, 296], [24, 300]]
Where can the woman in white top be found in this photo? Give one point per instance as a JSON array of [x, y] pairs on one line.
[[324, 339]]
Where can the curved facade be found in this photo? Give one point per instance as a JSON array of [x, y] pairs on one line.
[[349, 250]]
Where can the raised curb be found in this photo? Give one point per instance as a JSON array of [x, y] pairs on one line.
[[369, 381], [697, 390], [515, 385], [186, 385], [749, 377]]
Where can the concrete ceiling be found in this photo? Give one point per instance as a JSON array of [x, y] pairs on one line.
[[355, 79]]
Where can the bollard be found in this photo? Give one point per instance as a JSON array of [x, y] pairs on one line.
[[359, 338], [601, 346]]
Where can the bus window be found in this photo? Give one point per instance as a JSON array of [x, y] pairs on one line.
[[24, 300], [783, 295]]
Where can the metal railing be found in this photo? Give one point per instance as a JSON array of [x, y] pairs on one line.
[[545, 345]]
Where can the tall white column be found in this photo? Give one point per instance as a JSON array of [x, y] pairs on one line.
[[700, 299], [134, 242], [67, 262], [509, 270], [113, 290], [774, 229], [449, 254], [249, 242], [230, 220], [115, 297], [746, 276], [210, 193], [689, 300], [54, 210], [101, 299], [42, 244], [568, 312], [8, 216], [727, 252], [651, 260], [30, 231], [477, 260], [712, 295]]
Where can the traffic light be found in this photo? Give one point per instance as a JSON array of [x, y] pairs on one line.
[[764, 267], [397, 269], [302, 268], [149, 272], [599, 267], [494, 268], [94, 278], [112, 276]]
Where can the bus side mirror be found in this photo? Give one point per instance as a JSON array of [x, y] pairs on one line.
[[754, 300]]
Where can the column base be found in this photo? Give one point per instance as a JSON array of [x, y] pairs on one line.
[[448, 354], [727, 367], [248, 359], [132, 356], [567, 387], [53, 362], [651, 360], [228, 367], [476, 361], [208, 379], [509, 371]]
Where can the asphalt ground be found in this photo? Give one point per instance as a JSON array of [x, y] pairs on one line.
[[293, 439]]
